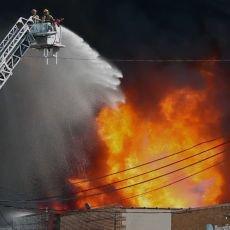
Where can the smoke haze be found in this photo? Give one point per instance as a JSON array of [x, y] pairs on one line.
[[46, 110]]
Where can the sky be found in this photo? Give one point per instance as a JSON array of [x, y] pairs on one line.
[[139, 29]]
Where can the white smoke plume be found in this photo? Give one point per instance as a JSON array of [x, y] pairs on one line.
[[45, 110]]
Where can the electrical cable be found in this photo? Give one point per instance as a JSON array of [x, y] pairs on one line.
[[180, 211], [150, 162], [159, 188], [151, 179], [153, 170], [176, 177], [180, 151], [139, 60], [172, 183], [117, 189]]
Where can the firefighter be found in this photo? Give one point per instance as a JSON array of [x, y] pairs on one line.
[[34, 15], [47, 17]]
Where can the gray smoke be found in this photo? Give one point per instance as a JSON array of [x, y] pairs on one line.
[[46, 110]]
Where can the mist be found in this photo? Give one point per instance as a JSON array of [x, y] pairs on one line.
[[47, 111]]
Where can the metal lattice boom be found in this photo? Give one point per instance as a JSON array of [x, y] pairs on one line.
[[13, 47]]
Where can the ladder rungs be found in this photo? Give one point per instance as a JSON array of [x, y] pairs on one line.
[[12, 48]]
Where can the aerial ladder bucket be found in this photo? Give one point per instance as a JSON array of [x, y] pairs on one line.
[[23, 35]]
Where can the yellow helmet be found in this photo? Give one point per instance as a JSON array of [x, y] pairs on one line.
[[45, 11]]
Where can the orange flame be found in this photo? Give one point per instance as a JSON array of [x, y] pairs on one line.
[[184, 118]]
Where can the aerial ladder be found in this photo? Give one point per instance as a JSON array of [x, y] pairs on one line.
[[23, 35]]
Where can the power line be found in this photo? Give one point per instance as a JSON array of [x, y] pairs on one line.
[[137, 60], [117, 189], [151, 179], [154, 170], [150, 162], [55, 197], [131, 197], [178, 176], [47, 198], [97, 207], [175, 182], [137, 195], [126, 179], [169, 60]]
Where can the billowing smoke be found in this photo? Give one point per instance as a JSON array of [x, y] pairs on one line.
[[46, 113]]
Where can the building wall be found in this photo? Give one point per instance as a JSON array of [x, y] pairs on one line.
[[102, 219], [118, 219], [147, 219], [197, 219]]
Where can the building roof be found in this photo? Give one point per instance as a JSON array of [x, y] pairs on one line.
[[226, 205]]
